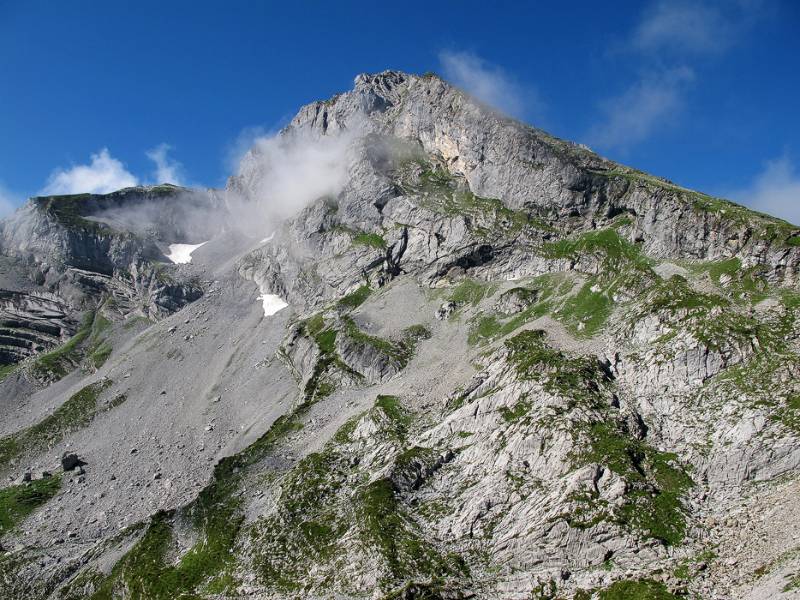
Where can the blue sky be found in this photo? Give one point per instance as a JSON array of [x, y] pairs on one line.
[[96, 94]]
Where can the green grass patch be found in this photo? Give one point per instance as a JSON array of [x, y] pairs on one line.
[[6, 370], [89, 341], [76, 412], [471, 292], [148, 571], [642, 589], [399, 351], [578, 378], [372, 240], [517, 412], [355, 299], [657, 483], [18, 501], [437, 190], [57, 363], [586, 312]]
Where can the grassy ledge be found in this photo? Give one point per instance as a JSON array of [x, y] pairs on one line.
[[76, 412], [18, 501]]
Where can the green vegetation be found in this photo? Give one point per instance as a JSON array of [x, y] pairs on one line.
[[621, 269], [355, 299], [655, 479], [6, 370], [392, 419], [579, 378], [641, 589], [147, 570], [739, 284], [372, 240], [763, 226], [614, 253], [656, 482], [75, 413], [57, 363], [323, 498], [18, 501], [399, 351], [322, 380], [69, 211], [471, 292], [517, 412], [586, 312], [440, 192], [551, 288], [89, 341], [385, 526]]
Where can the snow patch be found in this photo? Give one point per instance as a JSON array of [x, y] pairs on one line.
[[181, 254], [272, 304], [268, 238]]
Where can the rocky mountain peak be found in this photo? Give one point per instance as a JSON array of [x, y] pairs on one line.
[[415, 349]]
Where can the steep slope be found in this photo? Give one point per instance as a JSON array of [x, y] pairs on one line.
[[510, 369]]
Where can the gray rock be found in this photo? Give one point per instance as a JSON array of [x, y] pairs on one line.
[[70, 461], [445, 310]]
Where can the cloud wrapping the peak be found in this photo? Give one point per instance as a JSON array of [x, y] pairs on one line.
[[489, 84], [647, 105], [775, 191], [167, 170], [8, 202], [102, 175], [283, 173]]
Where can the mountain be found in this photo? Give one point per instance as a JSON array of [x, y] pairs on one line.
[[416, 350]]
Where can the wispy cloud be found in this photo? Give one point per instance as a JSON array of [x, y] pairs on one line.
[[8, 201], [102, 175], [167, 169], [776, 190], [490, 84], [669, 39], [677, 26], [281, 174], [644, 107]]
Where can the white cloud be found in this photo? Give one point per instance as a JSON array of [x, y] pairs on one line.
[[8, 202], [775, 191], [646, 106], [489, 83], [238, 148], [700, 27], [283, 173], [167, 170], [103, 175], [679, 26]]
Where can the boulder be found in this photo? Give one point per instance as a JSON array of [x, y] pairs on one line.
[[70, 461], [515, 300], [445, 310]]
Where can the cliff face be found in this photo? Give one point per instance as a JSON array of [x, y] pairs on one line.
[[510, 368]]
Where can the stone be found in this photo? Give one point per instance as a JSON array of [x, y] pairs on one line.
[[70, 461], [445, 310]]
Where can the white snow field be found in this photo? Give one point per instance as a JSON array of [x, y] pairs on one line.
[[181, 254], [272, 304]]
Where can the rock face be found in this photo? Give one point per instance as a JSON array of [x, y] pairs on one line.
[[510, 369]]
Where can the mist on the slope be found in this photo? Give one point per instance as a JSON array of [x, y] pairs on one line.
[[282, 174], [279, 176]]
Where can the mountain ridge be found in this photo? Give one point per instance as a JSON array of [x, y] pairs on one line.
[[509, 368]]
